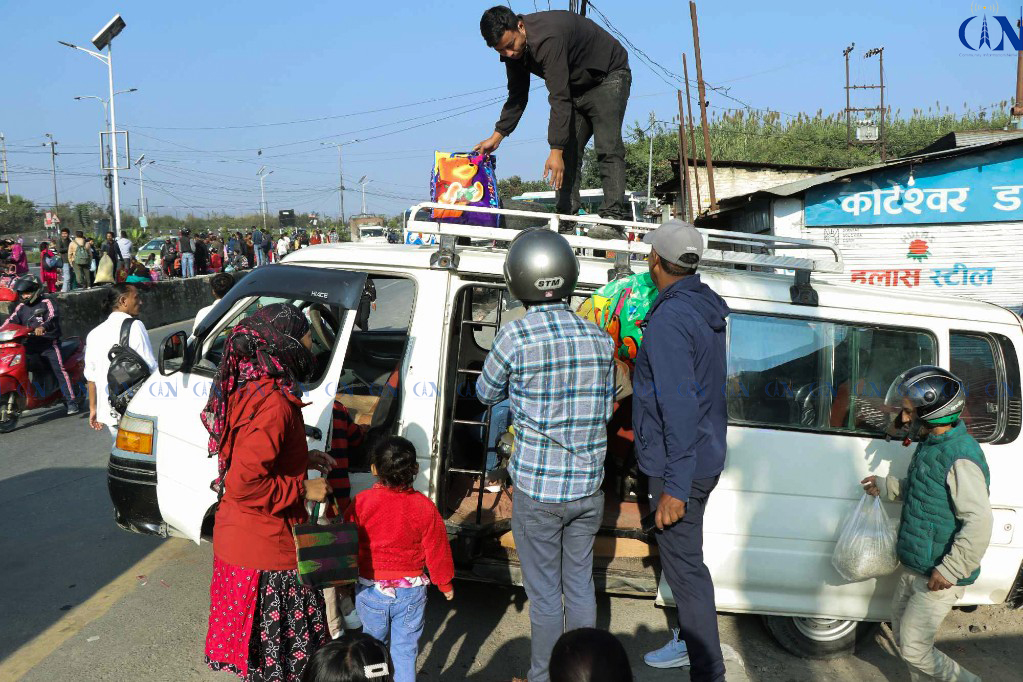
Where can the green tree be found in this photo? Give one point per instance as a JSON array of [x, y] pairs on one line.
[[515, 185], [20, 215]]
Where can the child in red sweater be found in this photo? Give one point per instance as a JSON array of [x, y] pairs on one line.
[[401, 533]]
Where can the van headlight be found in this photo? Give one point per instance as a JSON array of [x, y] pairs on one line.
[[135, 434]]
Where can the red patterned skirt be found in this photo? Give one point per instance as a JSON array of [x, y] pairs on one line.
[[264, 625]]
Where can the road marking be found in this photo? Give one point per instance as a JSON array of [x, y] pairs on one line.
[[33, 652]]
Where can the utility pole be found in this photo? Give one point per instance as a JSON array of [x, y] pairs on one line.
[[879, 110], [142, 191], [340, 177], [53, 166], [703, 106], [650, 168], [848, 103], [4, 179], [685, 197], [692, 138]]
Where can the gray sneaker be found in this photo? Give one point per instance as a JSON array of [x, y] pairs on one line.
[[606, 232], [73, 408]]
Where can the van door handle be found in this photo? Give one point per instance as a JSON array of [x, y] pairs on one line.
[[313, 432]]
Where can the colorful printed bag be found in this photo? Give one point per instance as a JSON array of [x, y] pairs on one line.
[[328, 554], [618, 308], [465, 179]]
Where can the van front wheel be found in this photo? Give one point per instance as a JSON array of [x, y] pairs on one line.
[[818, 638]]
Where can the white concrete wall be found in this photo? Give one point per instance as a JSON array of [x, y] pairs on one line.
[[731, 182]]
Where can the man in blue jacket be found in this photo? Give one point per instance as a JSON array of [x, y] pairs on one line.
[[680, 418]]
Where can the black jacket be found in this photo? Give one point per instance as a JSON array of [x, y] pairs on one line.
[[572, 54], [42, 313]]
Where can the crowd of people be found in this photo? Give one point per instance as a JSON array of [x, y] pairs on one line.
[[77, 261]]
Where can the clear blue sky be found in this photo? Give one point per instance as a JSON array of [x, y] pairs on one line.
[[216, 64]]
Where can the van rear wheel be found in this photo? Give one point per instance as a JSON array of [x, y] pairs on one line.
[[818, 638]]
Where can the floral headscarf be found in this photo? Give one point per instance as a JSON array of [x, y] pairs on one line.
[[266, 344]]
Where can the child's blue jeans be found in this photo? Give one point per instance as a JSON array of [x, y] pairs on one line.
[[396, 621]]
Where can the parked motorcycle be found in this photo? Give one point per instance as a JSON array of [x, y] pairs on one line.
[[27, 383]]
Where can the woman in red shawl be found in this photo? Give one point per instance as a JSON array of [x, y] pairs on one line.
[[49, 275], [264, 624]]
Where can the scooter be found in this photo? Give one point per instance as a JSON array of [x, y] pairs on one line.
[[27, 383]]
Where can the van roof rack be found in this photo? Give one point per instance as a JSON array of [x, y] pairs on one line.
[[721, 247]]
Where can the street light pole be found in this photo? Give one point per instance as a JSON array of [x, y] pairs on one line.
[[108, 178], [262, 193], [364, 180], [105, 39], [142, 191]]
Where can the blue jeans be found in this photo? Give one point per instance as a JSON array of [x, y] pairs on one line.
[[555, 546], [396, 621], [500, 420], [258, 254], [188, 265], [65, 270]]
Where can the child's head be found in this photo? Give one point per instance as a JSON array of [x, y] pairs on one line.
[[589, 655], [394, 462], [350, 658]]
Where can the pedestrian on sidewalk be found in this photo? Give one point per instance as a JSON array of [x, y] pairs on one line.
[[122, 302], [680, 419], [63, 244], [946, 515], [48, 267], [263, 623], [81, 259], [186, 247], [403, 548], [19, 257], [558, 371], [110, 248]]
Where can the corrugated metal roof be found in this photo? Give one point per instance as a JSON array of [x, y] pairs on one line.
[[800, 186], [969, 138]]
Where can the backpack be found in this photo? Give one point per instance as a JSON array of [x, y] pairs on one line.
[[82, 256], [128, 371]]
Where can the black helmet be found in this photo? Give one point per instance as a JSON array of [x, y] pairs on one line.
[[540, 266], [28, 284], [935, 395]]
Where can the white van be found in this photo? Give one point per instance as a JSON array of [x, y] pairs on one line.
[[805, 382]]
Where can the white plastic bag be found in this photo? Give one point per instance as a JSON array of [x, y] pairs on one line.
[[866, 546]]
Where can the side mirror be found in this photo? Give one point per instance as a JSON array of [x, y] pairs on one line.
[[172, 354]]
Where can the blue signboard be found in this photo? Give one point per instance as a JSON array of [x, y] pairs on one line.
[[975, 188]]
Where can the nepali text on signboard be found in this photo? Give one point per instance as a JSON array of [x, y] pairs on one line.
[[983, 187]]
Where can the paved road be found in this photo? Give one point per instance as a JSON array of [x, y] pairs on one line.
[[84, 600]]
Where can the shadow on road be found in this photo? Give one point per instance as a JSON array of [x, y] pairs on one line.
[[58, 546]]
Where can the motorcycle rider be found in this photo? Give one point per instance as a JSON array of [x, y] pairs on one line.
[[38, 313]]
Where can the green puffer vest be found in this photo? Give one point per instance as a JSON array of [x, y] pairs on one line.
[[929, 524]]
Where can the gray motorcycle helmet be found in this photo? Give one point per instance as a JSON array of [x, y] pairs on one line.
[[540, 266], [935, 396]]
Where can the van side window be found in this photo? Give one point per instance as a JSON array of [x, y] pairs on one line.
[[974, 361], [324, 322], [370, 383], [816, 374]]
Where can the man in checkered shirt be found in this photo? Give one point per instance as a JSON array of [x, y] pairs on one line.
[[558, 371]]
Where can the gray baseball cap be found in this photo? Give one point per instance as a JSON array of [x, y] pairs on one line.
[[674, 239]]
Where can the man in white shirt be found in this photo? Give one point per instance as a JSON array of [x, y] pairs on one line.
[[220, 284], [283, 245], [124, 244], [123, 302]]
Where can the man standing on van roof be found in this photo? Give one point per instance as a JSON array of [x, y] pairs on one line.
[[679, 418], [946, 514], [558, 371], [588, 81]]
